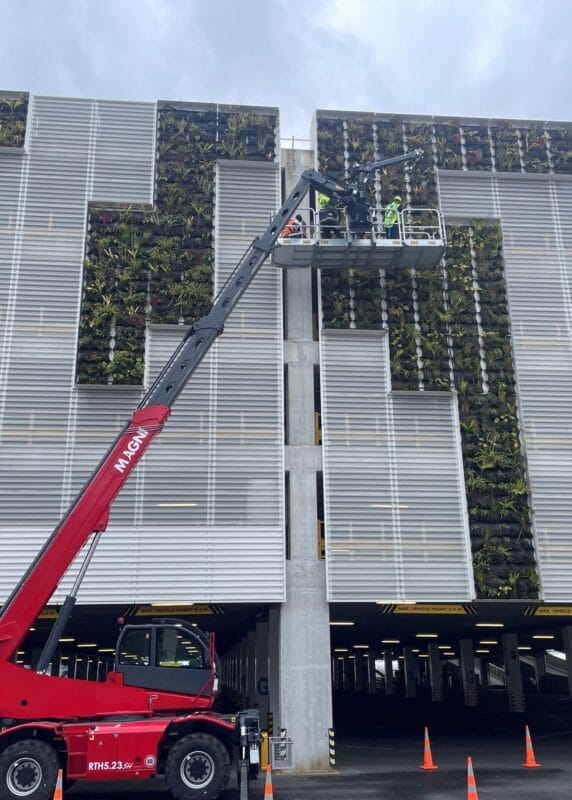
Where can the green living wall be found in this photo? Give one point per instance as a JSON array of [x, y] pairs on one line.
[[156, 264], [448, 328], [13, 114]]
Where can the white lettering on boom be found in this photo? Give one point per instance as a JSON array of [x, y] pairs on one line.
[[133, 446]]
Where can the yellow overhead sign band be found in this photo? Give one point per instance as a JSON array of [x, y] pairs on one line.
[[553, 611], [425, 608], [48, 613], [172, 611]]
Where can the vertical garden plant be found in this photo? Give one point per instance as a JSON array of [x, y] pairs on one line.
[[13, 114], [456, 314], [478, 156], [155, 265]]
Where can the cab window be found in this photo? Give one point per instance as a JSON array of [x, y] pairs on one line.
[[135, 648], [175, 648]]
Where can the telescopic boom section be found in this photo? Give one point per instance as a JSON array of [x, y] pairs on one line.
[[90, 510]]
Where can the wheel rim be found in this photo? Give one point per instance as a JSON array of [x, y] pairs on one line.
[[197, 769], [24, 776]]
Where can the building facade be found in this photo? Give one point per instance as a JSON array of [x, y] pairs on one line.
[[356, 440]]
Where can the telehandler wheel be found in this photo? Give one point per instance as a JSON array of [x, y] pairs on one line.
[[198, 766], [28, 769]]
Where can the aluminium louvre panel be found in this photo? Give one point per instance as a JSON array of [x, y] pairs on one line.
[[52, 434], [536, 216], [222, 450], [71, 165], [396, 522]]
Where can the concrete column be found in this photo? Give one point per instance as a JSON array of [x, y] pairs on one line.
[[359, 670], [567, 640], [388, 664], [305, 675], [484, 672], [513, 672], [410, 672], [467, 666], [56, 663], [371, 682], [232, 669], [435, 672], [243, 665], [274, 666], [261, 672], [349, 675], [344, 673], [250, 668], [306, 695], [539, 670]]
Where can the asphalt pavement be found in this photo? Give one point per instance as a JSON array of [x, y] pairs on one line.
[[387, 768]]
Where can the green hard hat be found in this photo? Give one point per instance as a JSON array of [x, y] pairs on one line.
[[397, 197]]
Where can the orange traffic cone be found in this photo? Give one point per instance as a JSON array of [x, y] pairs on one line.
[[530, 760], [471, 784], [427, 757], [268, 795], [59, 790]]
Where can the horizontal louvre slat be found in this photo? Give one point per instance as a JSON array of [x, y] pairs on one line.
[[396, 524]]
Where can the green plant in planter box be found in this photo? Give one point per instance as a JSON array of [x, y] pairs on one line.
[[497, 492], [422, 178], [507, 154], [478, 155], [244, 134], [561, 151], [448, 145], [389, 144], [13, 115], [359, 139], [331, 147], [535, 153]]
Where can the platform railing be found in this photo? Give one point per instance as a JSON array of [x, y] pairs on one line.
[[417, 224], [422, 223]]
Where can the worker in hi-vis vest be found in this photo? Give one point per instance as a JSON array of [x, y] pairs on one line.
[[328, 218], [391, 218]]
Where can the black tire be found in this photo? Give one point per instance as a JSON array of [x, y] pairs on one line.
[[197, 766], [28, 770]]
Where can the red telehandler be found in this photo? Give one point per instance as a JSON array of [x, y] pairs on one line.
[[147, 718]]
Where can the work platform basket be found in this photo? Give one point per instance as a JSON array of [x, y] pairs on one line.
[[419, 243], [281, 752]]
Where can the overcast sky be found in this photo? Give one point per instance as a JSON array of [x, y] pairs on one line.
[[504, 58]]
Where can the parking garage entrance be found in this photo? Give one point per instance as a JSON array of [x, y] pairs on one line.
[[467, 665]]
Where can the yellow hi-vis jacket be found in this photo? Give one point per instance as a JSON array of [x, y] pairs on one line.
[[323, 201], [391, 214]]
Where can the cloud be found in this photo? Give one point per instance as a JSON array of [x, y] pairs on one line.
[[491, 58]]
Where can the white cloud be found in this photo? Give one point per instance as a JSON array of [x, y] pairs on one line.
[[485, 58]]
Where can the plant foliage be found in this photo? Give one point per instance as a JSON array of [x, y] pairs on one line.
[[155, 265], [449, 329], [13, 114]]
